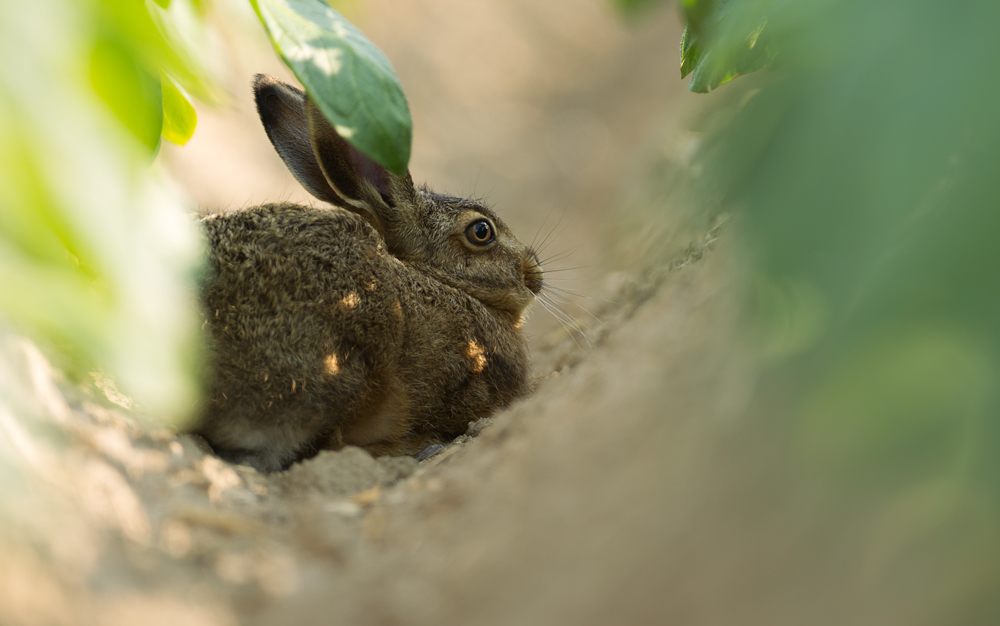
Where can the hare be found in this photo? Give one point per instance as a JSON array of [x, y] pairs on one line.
[[387, 321]]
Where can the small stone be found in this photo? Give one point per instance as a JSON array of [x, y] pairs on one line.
[[429, 451]]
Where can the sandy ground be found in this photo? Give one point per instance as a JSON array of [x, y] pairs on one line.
[[552, 512], [598, 500]]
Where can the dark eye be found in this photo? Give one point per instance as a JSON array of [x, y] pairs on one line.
[[480, 233]]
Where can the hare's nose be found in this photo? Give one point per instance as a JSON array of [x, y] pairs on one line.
[[531, 270]]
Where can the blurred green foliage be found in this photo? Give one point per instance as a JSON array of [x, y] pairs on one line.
[[96, 252], [864, 166], [179, 116], [349, 78]]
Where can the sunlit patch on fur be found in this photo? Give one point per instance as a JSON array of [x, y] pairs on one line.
[[477, 355], [332, 365], [397, 309], [350, 301]]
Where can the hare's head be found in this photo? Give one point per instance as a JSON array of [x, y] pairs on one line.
[[460, 242]]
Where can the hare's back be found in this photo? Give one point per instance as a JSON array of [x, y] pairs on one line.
[[266, 246], [262, 231], [287, 280]]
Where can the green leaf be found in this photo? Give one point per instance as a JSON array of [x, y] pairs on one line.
[[128, 89], [710, 73], [690, 52], [179, 116], [349, 78], [720, 44]]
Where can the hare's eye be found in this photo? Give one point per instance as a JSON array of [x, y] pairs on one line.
[[480, 233]]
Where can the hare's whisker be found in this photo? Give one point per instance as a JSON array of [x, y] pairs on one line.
[[565, 252], [534, 239], [562, 323], [561, 255], [557, 293], [545, 241], [554, 288], [563, 316], [559, 234], [556, 296], [552, 259], [567, 292], [563, 278], [562, 310], [588, 312], [567, 269]]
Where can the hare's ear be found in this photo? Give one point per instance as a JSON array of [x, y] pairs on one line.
[[282, 110], [363, 185], [328, 166]]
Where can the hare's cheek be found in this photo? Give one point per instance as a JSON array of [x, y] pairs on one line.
[[516, 302]]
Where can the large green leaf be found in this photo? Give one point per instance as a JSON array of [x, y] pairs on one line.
[[349, 78], [179, 116]]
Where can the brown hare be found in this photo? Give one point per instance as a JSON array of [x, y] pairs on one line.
[[388, 321]]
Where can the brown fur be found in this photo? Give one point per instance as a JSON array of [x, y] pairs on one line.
[[376, 323]]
